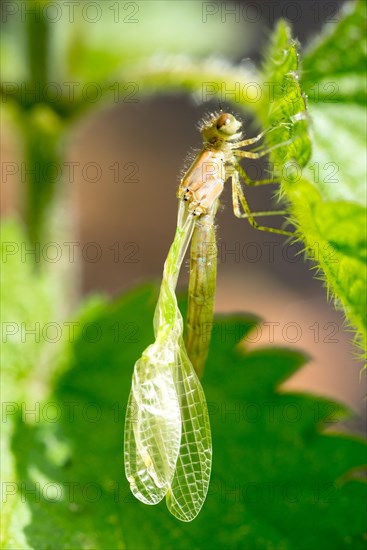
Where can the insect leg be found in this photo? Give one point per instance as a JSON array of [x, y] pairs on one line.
[[247, 180], [252, 155], [250, 141], [240, 199]]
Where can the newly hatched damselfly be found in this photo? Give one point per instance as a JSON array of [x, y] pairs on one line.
[[167, 446], [201, 187]]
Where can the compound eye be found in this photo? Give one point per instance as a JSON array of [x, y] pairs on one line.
[[227, 124], [224, 120]]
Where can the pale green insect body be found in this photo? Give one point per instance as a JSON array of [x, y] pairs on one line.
[[202, 284]]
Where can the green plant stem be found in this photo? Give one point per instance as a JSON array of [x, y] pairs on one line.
[[42, 133], [37, 30]]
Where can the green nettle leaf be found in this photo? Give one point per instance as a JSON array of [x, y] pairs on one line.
[[277, 481], [327, 197], [334, 222]]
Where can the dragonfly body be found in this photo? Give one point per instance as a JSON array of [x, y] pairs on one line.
[[201, 188], [167, 433], [204, 182], [219, 159]]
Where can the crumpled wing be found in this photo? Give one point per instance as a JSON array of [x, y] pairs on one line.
[[141, 483], [153, 424]]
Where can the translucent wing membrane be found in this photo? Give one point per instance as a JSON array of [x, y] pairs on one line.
[[141, 483], [191, 480], [153, 424], [167, 435]]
